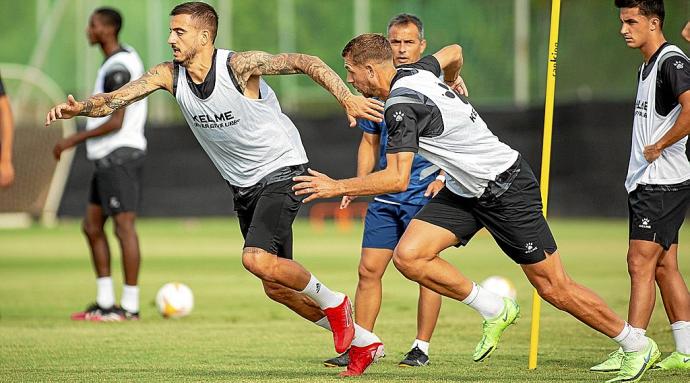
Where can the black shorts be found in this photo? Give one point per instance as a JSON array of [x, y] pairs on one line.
[[513, 215], [656, 212], [116, 182], [266, 211]]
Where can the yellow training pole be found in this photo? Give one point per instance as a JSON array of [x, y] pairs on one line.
[[545, 162]]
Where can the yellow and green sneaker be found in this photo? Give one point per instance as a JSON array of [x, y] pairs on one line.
[[611, 364], [635, 364], [674, 361], [493, 328]]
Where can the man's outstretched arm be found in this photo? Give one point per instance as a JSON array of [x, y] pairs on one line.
[[250, 65], [393, 179], [103, 104]]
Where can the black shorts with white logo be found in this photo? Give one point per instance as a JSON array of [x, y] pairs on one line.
[[116, 182], [512, 215], [656, 212], [267, 210]]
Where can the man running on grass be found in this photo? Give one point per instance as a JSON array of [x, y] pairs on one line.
[[489, 186], [238, 121]]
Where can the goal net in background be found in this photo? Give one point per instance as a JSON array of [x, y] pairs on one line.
[[39, 179]]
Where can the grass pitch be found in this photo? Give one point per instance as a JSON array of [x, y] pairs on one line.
[[236, 334]]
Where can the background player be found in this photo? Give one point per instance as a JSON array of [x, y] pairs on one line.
[[489, 186], [658, 180], [6, 139], [117, 146], [389, 214], [238, 121]]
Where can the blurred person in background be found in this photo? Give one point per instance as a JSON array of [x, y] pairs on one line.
[[6, 139], [117, 147]]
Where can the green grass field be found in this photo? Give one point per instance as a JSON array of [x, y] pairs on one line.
[[236, 334]]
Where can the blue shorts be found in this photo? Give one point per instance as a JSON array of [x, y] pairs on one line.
[[385, 223]]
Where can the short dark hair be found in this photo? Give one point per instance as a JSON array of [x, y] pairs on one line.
[[201, 12], [367, 47], [406, 18], [647, 7], [111, 17]]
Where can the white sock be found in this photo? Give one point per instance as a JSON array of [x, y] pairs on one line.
[[130, 298], [321, 294], [424, 346], [488, 304], [323, 322], [681, 334], [364, 337], [105, 294], [631, 338]]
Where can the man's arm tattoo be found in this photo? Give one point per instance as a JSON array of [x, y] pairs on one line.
[[255, 63], [103, 104]]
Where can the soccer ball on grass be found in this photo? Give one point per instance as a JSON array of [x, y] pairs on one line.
[[174, 300]]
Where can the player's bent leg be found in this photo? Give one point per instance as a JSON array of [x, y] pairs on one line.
[[556, 287], [372, 266], [642, 258], [416, 257], [299, 303], [288, 273]]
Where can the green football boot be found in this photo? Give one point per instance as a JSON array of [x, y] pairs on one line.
[[674, 361], [493, 328], [635, 364], [611, 364]]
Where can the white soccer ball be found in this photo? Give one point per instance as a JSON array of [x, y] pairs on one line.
[[500, 286], [174, 300]]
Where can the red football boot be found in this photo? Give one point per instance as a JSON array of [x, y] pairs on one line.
[[342, 325], [361, 358], [95, 313]]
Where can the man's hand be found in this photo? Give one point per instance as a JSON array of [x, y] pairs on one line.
[[362, 107], [433, 188], [686, 32], [317, 185], [6, 174], [64, 111], [459, 86], [61, 146], [345, 202], [652, 152]]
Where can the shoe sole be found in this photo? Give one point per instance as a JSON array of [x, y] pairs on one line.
[[329, 365]]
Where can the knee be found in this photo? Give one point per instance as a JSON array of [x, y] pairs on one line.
[[256, 263], [92, 230], [369, 273], [663, 271], [275, 292], [405, 260], [124, 229], [641, 265]]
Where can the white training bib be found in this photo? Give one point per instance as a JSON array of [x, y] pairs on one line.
[[245, 138], [672, 166], [131, 134]]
